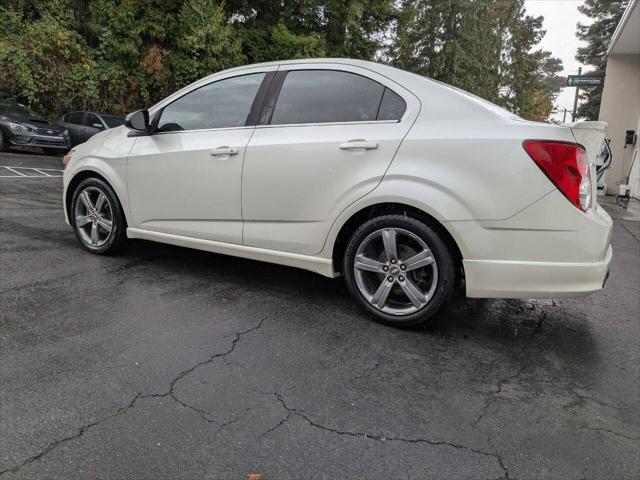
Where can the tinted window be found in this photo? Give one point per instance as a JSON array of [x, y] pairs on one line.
[[318, 96], [90, 119], [225, 103], [113, 121], [392, 106], [76, 117]]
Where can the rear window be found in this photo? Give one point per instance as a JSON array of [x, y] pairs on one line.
[[321, 96]]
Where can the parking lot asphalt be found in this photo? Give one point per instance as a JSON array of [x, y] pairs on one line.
[[163, 362]]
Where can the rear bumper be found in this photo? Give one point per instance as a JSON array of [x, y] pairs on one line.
[[510, 279], [548, 250]]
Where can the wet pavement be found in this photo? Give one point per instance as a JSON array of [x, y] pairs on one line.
[[164, 362]]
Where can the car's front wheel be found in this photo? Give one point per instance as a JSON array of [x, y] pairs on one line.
[[97, 217], [400, 269]]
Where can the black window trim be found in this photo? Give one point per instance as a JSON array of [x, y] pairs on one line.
[[256, 106], [276, 87]]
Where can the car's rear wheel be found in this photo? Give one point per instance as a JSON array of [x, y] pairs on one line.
[[400, 269], [97, 217]]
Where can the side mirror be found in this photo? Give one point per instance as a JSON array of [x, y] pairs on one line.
[[97, 125], [138, 121]]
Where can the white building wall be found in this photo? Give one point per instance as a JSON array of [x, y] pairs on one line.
[[620, 108]]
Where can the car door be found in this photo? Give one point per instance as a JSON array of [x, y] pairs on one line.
[[74, 122], [185, 179], [328, 139], [92, 125]]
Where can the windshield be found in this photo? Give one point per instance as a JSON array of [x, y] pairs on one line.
[[8, 107], [112, 121]]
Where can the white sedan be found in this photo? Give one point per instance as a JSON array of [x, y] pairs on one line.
[[408, 187]]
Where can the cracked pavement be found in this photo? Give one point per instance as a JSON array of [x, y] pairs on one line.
[[163, 362]]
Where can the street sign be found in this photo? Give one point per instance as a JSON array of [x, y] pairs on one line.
[[585, 80]]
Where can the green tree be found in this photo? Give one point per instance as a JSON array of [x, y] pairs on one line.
[[310, 28], [605, 14], [44, 62], [485, 47], [204, 42]]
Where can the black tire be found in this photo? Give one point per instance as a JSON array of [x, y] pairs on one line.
[[445, 286], [116, 237]]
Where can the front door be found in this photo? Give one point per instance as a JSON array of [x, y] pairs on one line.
[[185, 178], [74, 122], [329, 141]]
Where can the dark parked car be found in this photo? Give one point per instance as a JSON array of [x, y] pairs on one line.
[[84, 125], [20, 126]]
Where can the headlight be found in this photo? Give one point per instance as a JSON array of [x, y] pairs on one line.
[[19, 127], [65, 133]]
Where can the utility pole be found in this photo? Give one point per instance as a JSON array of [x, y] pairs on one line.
[[575, 100]]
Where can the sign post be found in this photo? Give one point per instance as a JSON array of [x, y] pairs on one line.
[[582, 81], [575, 100]]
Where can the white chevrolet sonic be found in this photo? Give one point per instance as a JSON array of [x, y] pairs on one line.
[[406, 186]]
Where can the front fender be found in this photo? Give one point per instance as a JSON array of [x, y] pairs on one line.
[[105, 156]]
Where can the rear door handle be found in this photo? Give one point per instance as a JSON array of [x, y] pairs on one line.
[[358, 144], [224, 151]]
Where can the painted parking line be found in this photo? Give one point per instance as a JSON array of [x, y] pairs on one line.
[[29, 172]]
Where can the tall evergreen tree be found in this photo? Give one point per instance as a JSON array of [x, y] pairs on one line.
[[605, 14], [310, 28], [485, 47]]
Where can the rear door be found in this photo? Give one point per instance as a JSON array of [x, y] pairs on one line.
[[325, 142]]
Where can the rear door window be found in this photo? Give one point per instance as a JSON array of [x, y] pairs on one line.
[[326, 96]]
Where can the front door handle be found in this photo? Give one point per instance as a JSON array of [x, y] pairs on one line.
[[224, 151], [358, 144]]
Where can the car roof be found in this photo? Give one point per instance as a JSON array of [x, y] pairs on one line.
[[445, 101]]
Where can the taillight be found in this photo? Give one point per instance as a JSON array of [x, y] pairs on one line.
[[566, 165]]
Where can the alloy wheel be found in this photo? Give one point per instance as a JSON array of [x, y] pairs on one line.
[[395, 271], [93, 217]]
